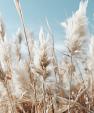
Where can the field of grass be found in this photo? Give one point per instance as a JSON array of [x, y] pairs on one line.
[[32, 80]]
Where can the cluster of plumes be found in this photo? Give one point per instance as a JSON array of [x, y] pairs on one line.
[[33, 81]]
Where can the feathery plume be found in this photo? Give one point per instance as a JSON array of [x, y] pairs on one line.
[[2, 29], [76, 29]]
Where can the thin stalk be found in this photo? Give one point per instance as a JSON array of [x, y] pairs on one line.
[[44, 101], [92, 84], [70, 86], [23, 24], [35, 93], [26, 38]]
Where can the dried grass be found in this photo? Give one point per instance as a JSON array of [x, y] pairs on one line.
[[31, 78]]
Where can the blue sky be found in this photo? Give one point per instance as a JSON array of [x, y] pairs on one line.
[[35, 12]]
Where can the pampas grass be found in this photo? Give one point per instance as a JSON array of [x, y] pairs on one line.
[[31, 78]]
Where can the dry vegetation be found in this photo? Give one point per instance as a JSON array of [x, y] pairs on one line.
[[31, 78]]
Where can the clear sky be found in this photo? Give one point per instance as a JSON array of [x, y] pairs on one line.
[[35, 12]]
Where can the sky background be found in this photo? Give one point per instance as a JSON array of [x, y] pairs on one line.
[[35, 12]]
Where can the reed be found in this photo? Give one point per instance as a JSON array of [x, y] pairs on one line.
[[32, 80]]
